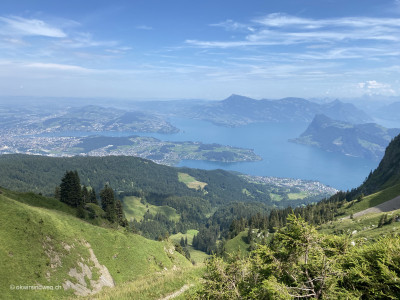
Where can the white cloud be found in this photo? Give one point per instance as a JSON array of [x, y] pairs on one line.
[[283, 20], [282, 29], [228, 44], [57, 67], [371, 87], [29, 27]]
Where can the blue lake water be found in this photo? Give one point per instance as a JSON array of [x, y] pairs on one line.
[[281, 158]]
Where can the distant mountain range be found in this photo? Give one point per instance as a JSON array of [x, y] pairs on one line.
[[238, 110], [362, 140]]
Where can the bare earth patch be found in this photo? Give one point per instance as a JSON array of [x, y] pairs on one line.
[[89, 286], [177, 293]]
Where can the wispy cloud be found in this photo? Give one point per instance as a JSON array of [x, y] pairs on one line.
[[282, 29], [19, 26], [57, 67], [85, 40], [233, 26], [284, 20]]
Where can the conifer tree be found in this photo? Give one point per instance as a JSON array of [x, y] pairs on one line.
[[93, 197], [57, 192], [108, 203], [70, 189], [85, 195], [120, 214]]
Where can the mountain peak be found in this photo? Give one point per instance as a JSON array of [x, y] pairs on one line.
[[238, 98]]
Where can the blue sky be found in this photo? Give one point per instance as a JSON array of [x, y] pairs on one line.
[[209, 49]]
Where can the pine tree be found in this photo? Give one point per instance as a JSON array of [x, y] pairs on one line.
[[57, 193], [85, 195], [108, 203], [93, 197], [70, 189], [120, 214]]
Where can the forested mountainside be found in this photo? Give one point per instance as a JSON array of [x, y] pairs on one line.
[[131, 175], [387, 173], [189, 197]]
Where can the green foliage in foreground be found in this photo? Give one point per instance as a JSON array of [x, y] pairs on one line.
[[301, 263]]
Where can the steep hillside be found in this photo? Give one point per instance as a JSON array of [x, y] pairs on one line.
[[363, 140], [388, 171], [48, 253]]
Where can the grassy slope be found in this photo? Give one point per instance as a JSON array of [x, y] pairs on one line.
[[372, 200], [196, 255], [134, 209], [365, 227], [27, 232], [238, 244], [191, 182]]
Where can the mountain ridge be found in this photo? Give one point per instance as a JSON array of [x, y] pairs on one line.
[[367, 140], [237, 110]]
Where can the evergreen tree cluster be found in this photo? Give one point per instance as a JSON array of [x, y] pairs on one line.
[[206, 239], [300, 263], [73, 194]]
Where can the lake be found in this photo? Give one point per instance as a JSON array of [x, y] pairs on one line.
[[281, 158]]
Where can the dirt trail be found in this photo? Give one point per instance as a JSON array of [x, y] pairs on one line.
[[383, 207], [177, 293]]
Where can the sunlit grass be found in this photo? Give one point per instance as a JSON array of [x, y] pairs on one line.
[[191, 182], [135, 209]]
